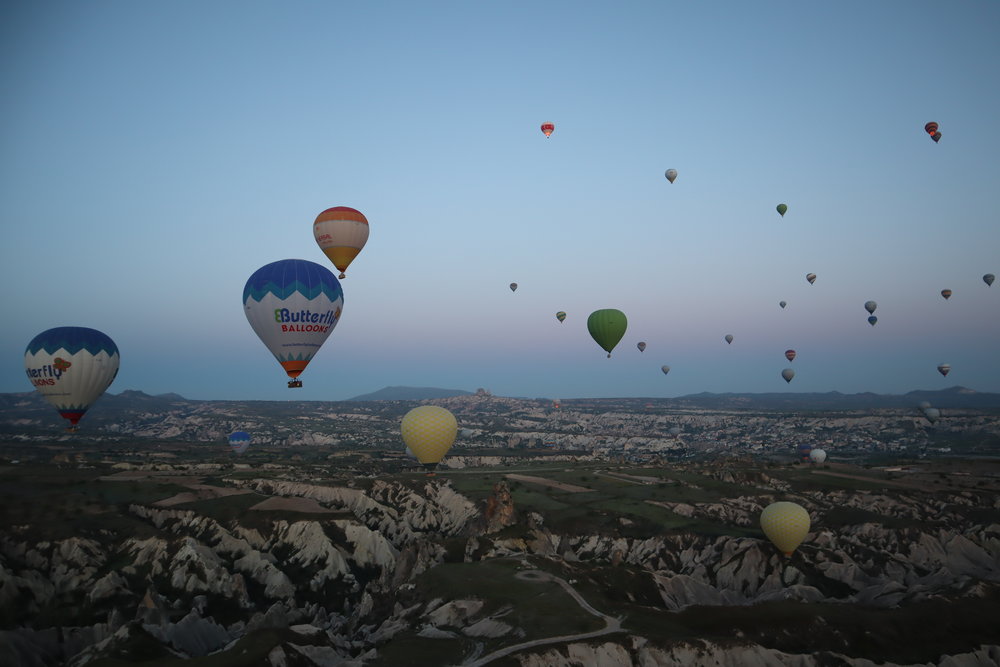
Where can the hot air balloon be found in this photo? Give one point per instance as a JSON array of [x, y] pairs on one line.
[[548, 129], [71, 367], [561, 315], [811, 277], [872, 320], [785, 524], [946, 293], [641, 345], [944, 368], [781, 209], [804, 451], [671, 175], [341, 232], [936, 137], [782, 303], [674, 430], [429, 431], [932, 129], [790, 355], [665, 369], [728, 338], [788, 374], [817, 456], [607, 327], [239, 441], [513, 287], [293, 305], [870, 306], [989, 278], [932, 414]]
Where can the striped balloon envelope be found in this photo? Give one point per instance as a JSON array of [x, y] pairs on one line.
[[293, 306], [341, 232], [239, 441], [548, 129], [71, 367]]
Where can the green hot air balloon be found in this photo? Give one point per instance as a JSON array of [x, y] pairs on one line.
[[607, 327], [781, 209], [561, 315]]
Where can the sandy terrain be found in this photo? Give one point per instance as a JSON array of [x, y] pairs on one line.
[[307, 505]]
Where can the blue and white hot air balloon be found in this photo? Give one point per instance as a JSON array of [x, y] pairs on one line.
[[239, 441], [293, 306], [71, 367]]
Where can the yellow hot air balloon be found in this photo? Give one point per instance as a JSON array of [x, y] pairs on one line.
[[785, 524], [429, 431], [341, 232]]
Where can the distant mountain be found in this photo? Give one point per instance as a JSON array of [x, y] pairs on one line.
[[409, 394]]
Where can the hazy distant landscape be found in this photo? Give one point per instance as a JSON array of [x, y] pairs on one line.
[[577, 532]]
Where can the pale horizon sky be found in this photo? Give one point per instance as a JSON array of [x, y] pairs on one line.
[[154, 155]]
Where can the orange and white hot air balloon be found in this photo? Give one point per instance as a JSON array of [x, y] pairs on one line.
[[341, 232]]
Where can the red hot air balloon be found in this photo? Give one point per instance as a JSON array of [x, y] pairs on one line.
[[790, 355], [932, 129], [548, 129]]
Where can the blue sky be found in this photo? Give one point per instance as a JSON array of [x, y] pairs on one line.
[[154, 155]]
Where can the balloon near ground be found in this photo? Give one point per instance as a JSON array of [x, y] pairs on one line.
[[785, 524], [931, 414], [548, 129], [341, 232], [239, 441], [293, 306], [71, 367], [817, 456], [429, 431], [607, 327]]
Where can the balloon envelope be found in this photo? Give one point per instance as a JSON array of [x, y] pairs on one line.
[[931, 128], [671, 174], [729, 338], [341, 232], [782, 303], [239, 441], [989, 278], [872, 320], [811, 277], [932, 414], [936, 137], [790, 355], [513, 287], [665, 369], [548, 129], [870, 306], [788, 374], [561, 315], [944, 368], [71, 367], [429, 431], [641, 345], [946, 293], [293, 305], [607, 327], [785, 524], [817, 456], [781, 209]]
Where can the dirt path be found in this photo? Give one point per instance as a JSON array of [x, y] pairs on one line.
[[611, 624], [542, 481]]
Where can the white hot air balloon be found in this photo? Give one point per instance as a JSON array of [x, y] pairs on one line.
[[71, 367]]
